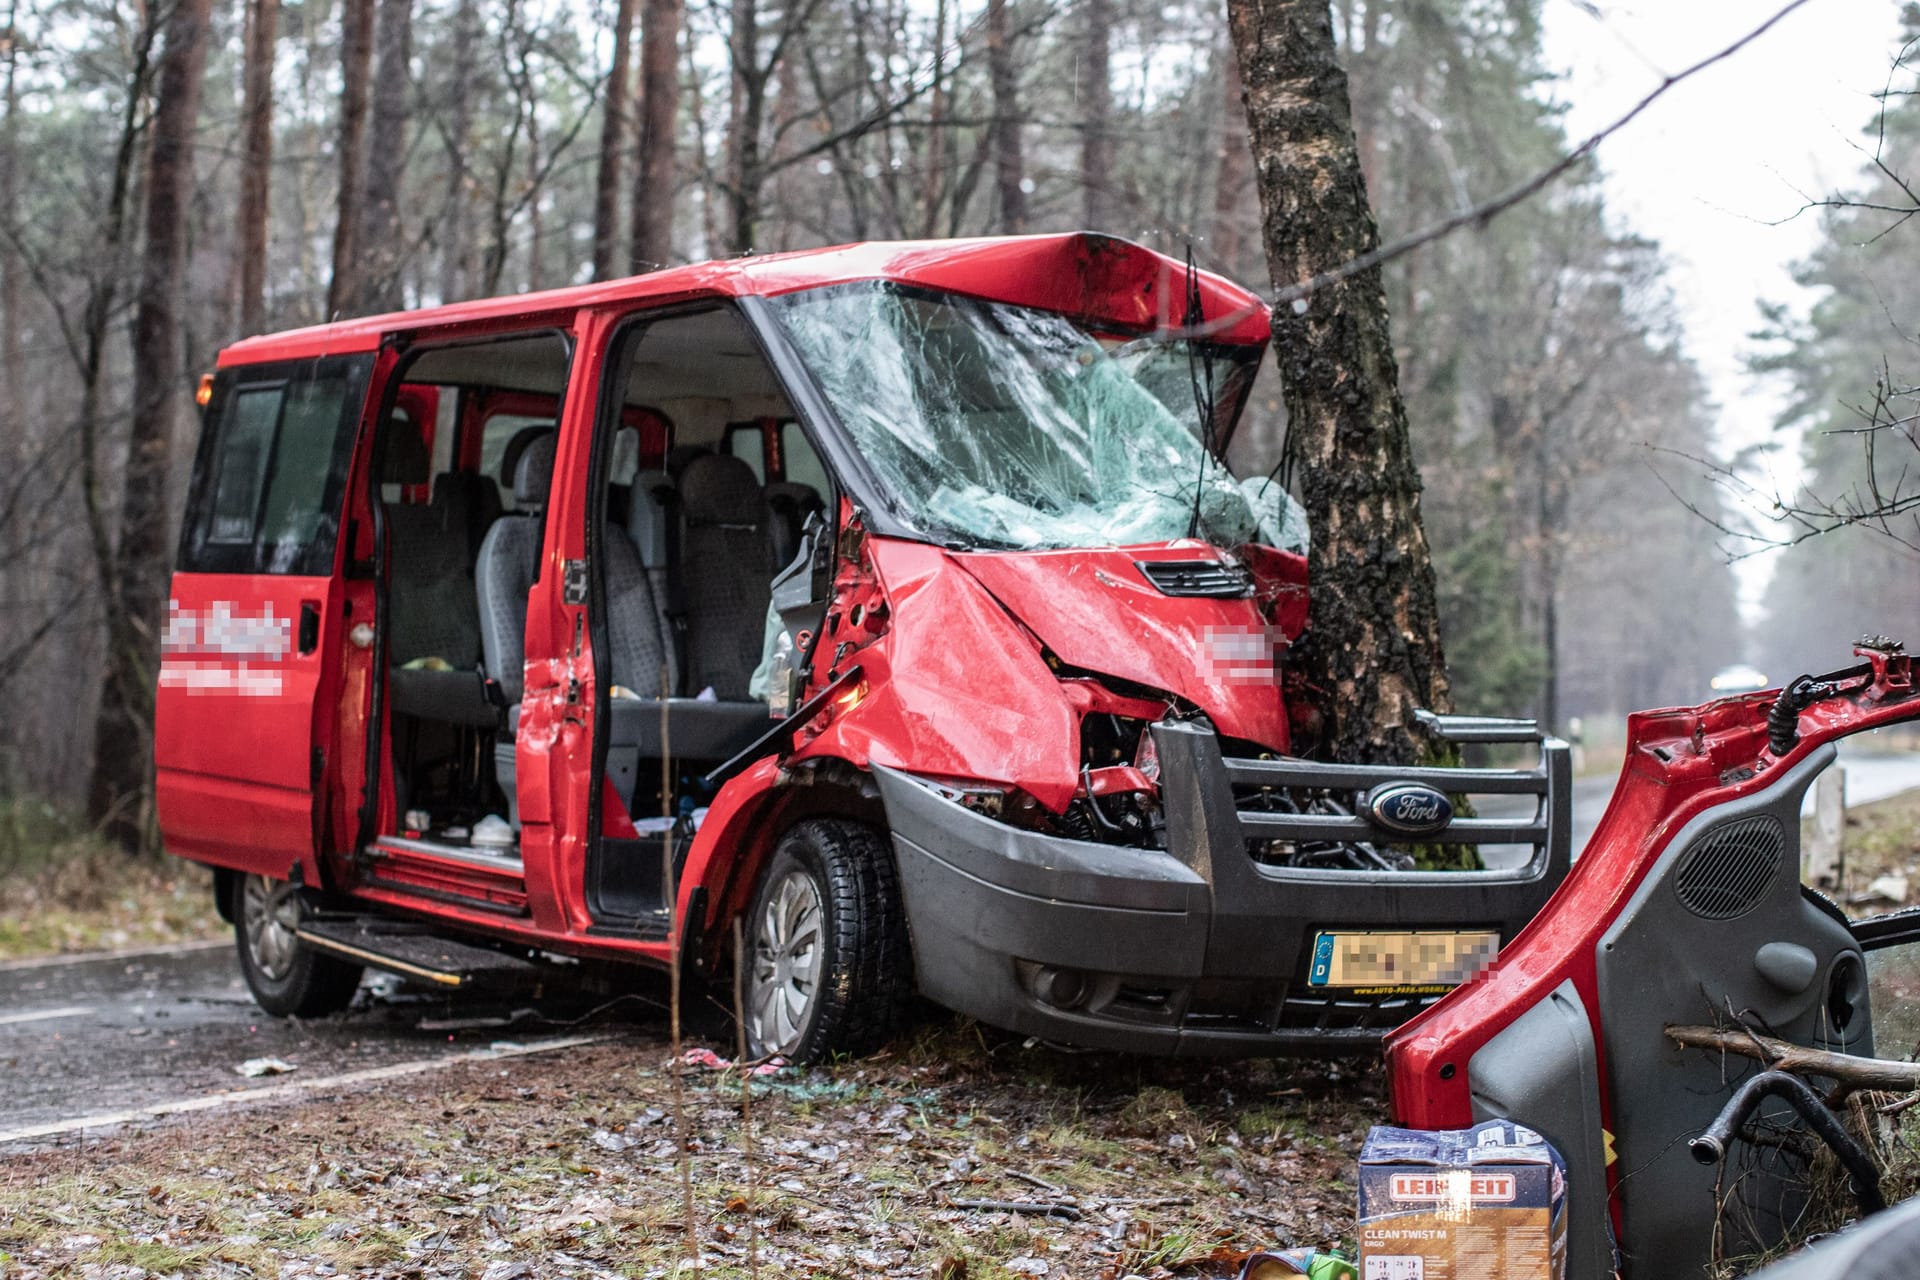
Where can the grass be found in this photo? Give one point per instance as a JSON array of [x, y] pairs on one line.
[[1881, 838], [62, 889], [569, 1164]]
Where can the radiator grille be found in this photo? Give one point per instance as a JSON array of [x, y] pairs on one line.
[[1726, 874], [1198, 578]]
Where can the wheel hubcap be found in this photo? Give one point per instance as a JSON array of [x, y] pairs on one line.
[[269, 917], [786, 963]]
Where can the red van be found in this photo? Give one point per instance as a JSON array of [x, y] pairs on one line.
[[892, 599]]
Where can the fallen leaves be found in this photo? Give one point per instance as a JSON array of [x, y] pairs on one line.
[[959, 1157]]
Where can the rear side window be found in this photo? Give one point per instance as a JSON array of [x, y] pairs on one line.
[[499, 432], [272, 468], [799, 462]]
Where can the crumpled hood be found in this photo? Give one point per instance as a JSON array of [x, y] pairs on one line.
[[1095, 609]]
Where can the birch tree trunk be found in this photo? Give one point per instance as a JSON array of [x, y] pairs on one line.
[[120, 793], [1373, 653], [256, 163], [613, 147]]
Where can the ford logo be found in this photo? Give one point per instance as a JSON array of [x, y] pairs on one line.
[[1409, 808]]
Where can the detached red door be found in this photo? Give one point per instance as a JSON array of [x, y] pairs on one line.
[[251, 657]]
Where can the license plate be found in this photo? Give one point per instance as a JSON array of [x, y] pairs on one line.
[[1389, 962]]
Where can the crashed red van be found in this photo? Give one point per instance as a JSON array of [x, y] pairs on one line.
[[892, 600]]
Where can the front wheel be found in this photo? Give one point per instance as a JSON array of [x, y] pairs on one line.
[[829, 968], [288, 978]]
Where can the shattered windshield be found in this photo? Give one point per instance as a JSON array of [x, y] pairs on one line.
[[997, 425]]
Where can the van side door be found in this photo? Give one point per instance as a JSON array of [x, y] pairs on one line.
[[252, 655]]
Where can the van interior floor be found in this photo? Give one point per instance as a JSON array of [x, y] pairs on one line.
[[457, 850]]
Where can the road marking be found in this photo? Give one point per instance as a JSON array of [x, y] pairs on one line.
[[128, 953], [69, 1011], [268, 1093]]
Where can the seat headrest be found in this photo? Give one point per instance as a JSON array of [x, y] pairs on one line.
[[407, 459], [722, 489], [517, 445], [533, 473], [682, 456]]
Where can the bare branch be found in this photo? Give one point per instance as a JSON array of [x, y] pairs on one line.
[[1486, 211], [1851, 1070]]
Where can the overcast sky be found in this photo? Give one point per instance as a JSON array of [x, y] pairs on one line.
[[1725, 154]]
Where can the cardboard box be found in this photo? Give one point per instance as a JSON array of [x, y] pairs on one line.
[[1486, 1203]]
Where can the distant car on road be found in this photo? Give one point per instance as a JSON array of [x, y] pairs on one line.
[[1739, 678]]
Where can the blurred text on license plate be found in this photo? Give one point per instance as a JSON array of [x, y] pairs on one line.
[[1383, 961]]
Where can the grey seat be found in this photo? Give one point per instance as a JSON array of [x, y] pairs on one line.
[[726, 568], [653, 516], [509, 562], [430, 600], [642, 657], [502, 577], [470, 499]]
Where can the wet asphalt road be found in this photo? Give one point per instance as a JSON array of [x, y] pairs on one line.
[[100, 1036]]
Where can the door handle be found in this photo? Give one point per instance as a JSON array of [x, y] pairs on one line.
[[309, 626]]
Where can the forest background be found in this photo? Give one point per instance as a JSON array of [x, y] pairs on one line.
[[297, 160]]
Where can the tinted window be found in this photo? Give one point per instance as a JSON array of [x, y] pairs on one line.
[[272, 468], [245, 447], [296, 505]]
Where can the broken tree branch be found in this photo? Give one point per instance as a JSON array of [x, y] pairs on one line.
[[1487, 210], [1851, 1070], [1030, 1208]]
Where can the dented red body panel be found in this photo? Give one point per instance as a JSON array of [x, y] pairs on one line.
[[1096, 611]]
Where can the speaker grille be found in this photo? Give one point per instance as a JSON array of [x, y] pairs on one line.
[[1727, 872]]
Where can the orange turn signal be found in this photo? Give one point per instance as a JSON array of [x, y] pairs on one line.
[[203, 394]]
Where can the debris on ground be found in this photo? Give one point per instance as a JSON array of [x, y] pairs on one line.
[[254, 1068], [711, 1061], [952, 1155]]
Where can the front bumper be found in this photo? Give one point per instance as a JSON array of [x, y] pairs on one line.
[[1198, 949]]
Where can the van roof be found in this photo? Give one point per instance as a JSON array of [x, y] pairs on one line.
[[1089, 276]]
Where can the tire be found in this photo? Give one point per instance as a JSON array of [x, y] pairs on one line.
[[830, 881], [288, 978]]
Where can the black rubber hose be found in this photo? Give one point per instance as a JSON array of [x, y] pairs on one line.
[[1711, 1146], [1783, 717], [1799, 693]]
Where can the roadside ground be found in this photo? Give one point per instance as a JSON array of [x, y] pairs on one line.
[[83, 896], [957, 1155], [1882, 846]]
